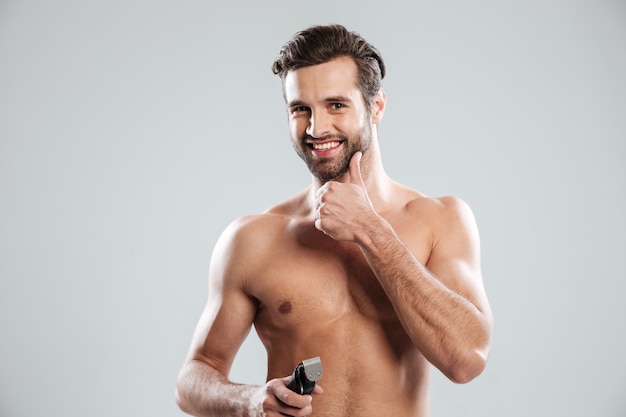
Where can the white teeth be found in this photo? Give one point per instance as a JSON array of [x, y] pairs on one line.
[[325, 146]]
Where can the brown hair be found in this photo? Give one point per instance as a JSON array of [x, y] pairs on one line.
[[320, 44]]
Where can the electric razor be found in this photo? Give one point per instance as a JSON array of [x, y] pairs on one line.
[[305, 375]]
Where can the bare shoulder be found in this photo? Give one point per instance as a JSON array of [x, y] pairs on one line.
[[436, 206], [439, 212], [243, 248], [246, 245], [444, 221], [252, 234], [258, 230]]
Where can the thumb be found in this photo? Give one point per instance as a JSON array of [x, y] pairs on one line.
[[355, 168]]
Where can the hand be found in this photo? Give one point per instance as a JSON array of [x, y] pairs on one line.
[[274, 399], [343, 208]]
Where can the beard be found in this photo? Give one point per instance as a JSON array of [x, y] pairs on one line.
[[328, 169]]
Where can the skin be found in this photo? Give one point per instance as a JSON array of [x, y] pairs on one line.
[[377, 279]]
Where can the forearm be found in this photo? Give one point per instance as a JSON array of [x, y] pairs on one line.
[[203, 391], [448, 329]]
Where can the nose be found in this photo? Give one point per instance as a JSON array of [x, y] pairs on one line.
[[319, 125]]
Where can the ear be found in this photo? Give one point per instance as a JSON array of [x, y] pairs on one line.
[[378, 107]]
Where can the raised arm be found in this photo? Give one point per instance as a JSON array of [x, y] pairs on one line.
[[442, 305], [203, 387]]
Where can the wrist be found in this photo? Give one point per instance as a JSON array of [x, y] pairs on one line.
[[374, 231]]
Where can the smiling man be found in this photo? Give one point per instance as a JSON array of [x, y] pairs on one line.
[[378, 280]]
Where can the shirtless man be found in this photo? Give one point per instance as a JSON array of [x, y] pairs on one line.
[[377, 279]]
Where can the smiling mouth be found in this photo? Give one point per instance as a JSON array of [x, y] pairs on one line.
[[324, 146]]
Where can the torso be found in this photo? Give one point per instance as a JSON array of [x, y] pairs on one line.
[[318, 297]]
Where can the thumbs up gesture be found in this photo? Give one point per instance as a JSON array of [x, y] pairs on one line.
[[343, 208]]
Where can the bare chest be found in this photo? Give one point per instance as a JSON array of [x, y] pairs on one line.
[[325, 282]]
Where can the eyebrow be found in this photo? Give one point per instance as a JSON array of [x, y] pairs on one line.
[[330, 99], [296, 103], [334, 99]]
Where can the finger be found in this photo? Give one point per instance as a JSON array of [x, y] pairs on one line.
[[319, 200], [291, 399], [355, 168], [320, 191], [318, 225]]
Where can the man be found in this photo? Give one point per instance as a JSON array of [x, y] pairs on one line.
[[376, 279]]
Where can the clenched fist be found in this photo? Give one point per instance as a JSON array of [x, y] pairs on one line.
[[344, 208]]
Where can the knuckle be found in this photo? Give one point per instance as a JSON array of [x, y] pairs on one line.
[[267, 405], [285, 397]]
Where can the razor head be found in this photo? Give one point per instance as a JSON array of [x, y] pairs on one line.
[[312, 368], [305, 376]]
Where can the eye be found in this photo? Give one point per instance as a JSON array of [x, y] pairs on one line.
[[300, 109], [337, 106]]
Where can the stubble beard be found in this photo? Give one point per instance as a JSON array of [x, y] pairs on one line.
[[327, 169]]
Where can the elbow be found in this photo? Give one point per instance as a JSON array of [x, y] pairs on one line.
[[179, 400], [471, 360], [183, 401], [180, 394], [468, 368]]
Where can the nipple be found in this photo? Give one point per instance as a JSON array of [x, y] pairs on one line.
[[285, 307]]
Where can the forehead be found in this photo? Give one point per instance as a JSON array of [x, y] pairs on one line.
[[335, 77]]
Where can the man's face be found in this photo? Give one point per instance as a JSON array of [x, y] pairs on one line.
[[328, 119]]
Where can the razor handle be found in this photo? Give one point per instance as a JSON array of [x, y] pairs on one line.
[[305, 376]]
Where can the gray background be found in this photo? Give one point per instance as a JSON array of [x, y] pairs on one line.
[[132, 132]]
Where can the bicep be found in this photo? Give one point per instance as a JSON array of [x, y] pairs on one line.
[[229, 312], [222, 328]]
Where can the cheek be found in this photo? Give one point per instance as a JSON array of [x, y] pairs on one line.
[[297, 128], [351, 125], [293, 131]]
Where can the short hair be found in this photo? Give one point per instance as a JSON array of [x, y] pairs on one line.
[[322, 43]]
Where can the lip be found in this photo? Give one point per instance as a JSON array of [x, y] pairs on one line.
[[326, 148]]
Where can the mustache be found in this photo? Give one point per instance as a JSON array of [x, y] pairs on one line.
[[309, 138]]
